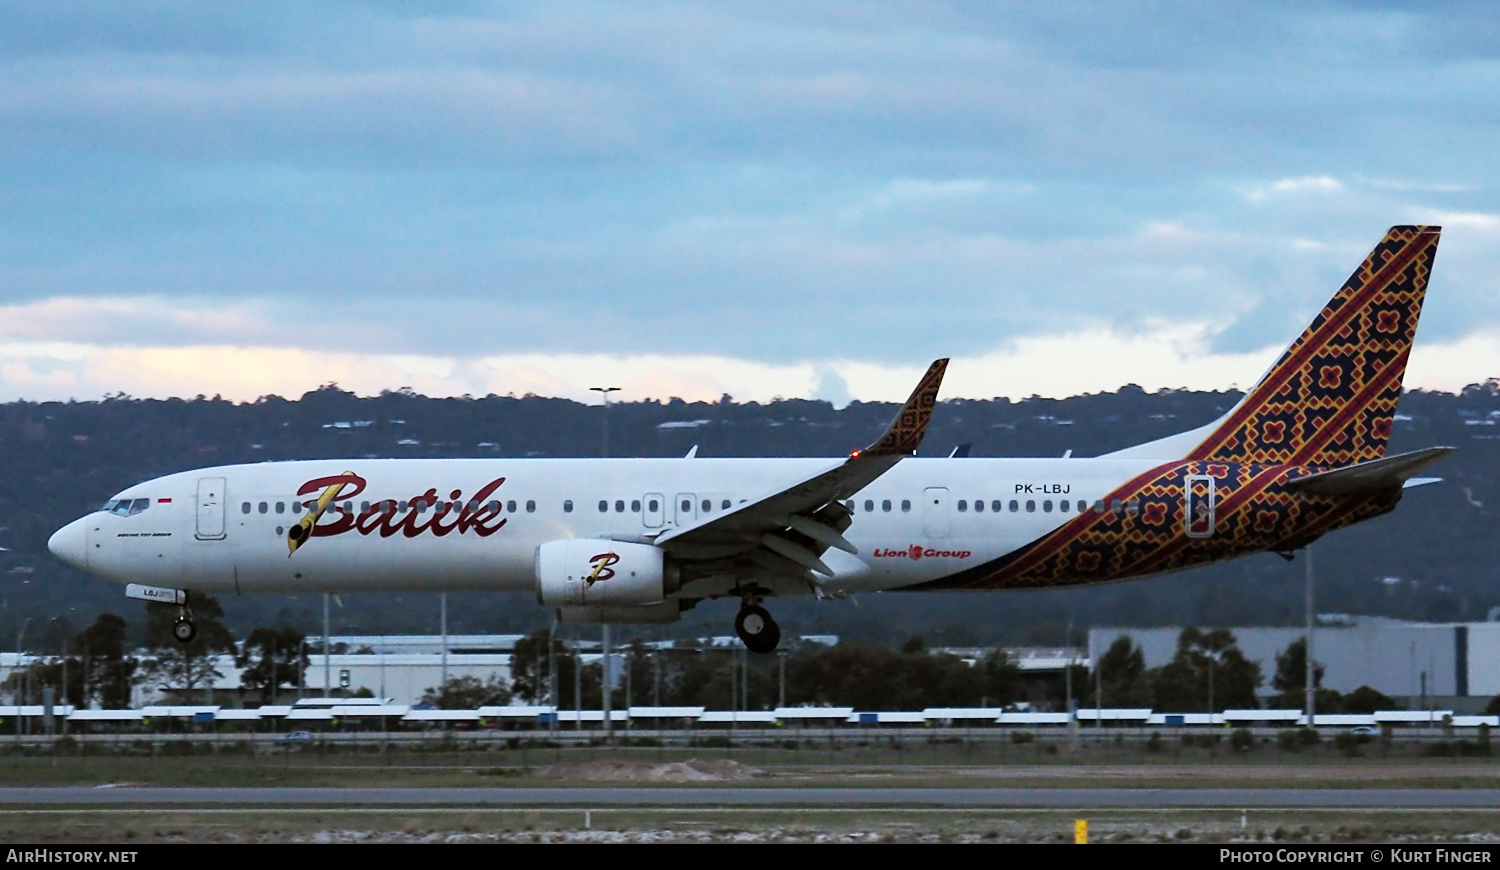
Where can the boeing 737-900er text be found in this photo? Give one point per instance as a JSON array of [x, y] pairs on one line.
[[642, 540]]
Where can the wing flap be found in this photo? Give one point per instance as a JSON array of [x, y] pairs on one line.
[[1367, 478]]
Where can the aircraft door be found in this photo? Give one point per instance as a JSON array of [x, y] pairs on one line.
[[653, 510], [936, 522], [686, 505], [210, 509], [1198, 506]]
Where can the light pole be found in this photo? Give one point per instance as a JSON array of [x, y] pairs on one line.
[[1310, 688], [327, 657], [605, 391], [604, 685]]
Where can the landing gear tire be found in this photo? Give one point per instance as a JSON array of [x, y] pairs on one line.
[[184, 631], [757, 629]]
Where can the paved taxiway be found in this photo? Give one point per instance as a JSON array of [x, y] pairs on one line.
[[629, 796]]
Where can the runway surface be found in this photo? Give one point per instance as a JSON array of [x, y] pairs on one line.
[[628, 796]]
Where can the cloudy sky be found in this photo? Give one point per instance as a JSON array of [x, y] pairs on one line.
[[696, 199]]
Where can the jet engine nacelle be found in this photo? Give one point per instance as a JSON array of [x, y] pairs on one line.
[[588, 572]]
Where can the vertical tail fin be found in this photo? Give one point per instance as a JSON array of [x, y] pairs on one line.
[[1330, 399]]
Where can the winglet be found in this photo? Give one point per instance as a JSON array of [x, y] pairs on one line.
[[906, 431]]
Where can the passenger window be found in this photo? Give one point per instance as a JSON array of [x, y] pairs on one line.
[[297, 507], [1047, 506], [1082, 505], [995, 506], [869, 506], [603, 506], [635, 506], [1064, 506], [724, 505], [978, 506], [1099, 506], [963, 506], [364, 507], [422, 507], [281, 507], [568, 506], [263, 507], [530, 506], [1030, 506], [707, 505], [619, 506], [403, 506], [1117, 507], [244, 508], [886, 505], [1014, 505], [905, 505], [652, 507], [509, 506], [1133, 506]]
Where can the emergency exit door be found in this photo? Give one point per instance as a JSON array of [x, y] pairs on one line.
[[936, 521], [210, 509]]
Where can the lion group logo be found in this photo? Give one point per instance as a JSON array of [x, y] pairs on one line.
[[917, 551]]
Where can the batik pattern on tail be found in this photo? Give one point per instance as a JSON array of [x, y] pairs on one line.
[[1330, 399], [1328, 402]]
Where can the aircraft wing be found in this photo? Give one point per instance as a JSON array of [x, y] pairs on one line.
[[1365, 478], [798, 522]]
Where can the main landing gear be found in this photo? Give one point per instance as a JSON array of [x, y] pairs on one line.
[[757, 629], [183, 630]]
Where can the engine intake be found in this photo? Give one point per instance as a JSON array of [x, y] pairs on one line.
[[589, 572]]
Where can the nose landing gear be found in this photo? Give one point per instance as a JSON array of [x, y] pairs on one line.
[[757, 629]]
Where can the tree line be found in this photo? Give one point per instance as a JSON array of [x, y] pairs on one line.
[[1207, 673], [99, 665]]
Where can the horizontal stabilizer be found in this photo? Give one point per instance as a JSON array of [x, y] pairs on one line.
[[1375, 476]]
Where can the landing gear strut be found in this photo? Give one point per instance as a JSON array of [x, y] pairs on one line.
[[757, 629], [183, 629]]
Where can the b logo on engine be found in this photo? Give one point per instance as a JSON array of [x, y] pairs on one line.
[[602, 571]]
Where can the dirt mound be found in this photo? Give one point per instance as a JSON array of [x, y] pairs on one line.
[[692, 770]]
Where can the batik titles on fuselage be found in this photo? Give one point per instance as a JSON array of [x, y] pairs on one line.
[[478, 514]]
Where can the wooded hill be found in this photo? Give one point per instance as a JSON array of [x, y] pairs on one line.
[[1434, 558]]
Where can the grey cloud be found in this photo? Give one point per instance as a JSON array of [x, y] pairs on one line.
[[726, 178]]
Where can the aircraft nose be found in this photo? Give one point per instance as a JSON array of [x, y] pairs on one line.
[[68, 544]]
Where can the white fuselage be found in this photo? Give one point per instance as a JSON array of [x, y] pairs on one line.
[[225, 529]]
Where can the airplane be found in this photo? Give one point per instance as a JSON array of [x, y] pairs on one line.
[[640, 541]]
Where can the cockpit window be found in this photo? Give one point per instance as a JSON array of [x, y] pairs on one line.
[[126, 507]]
